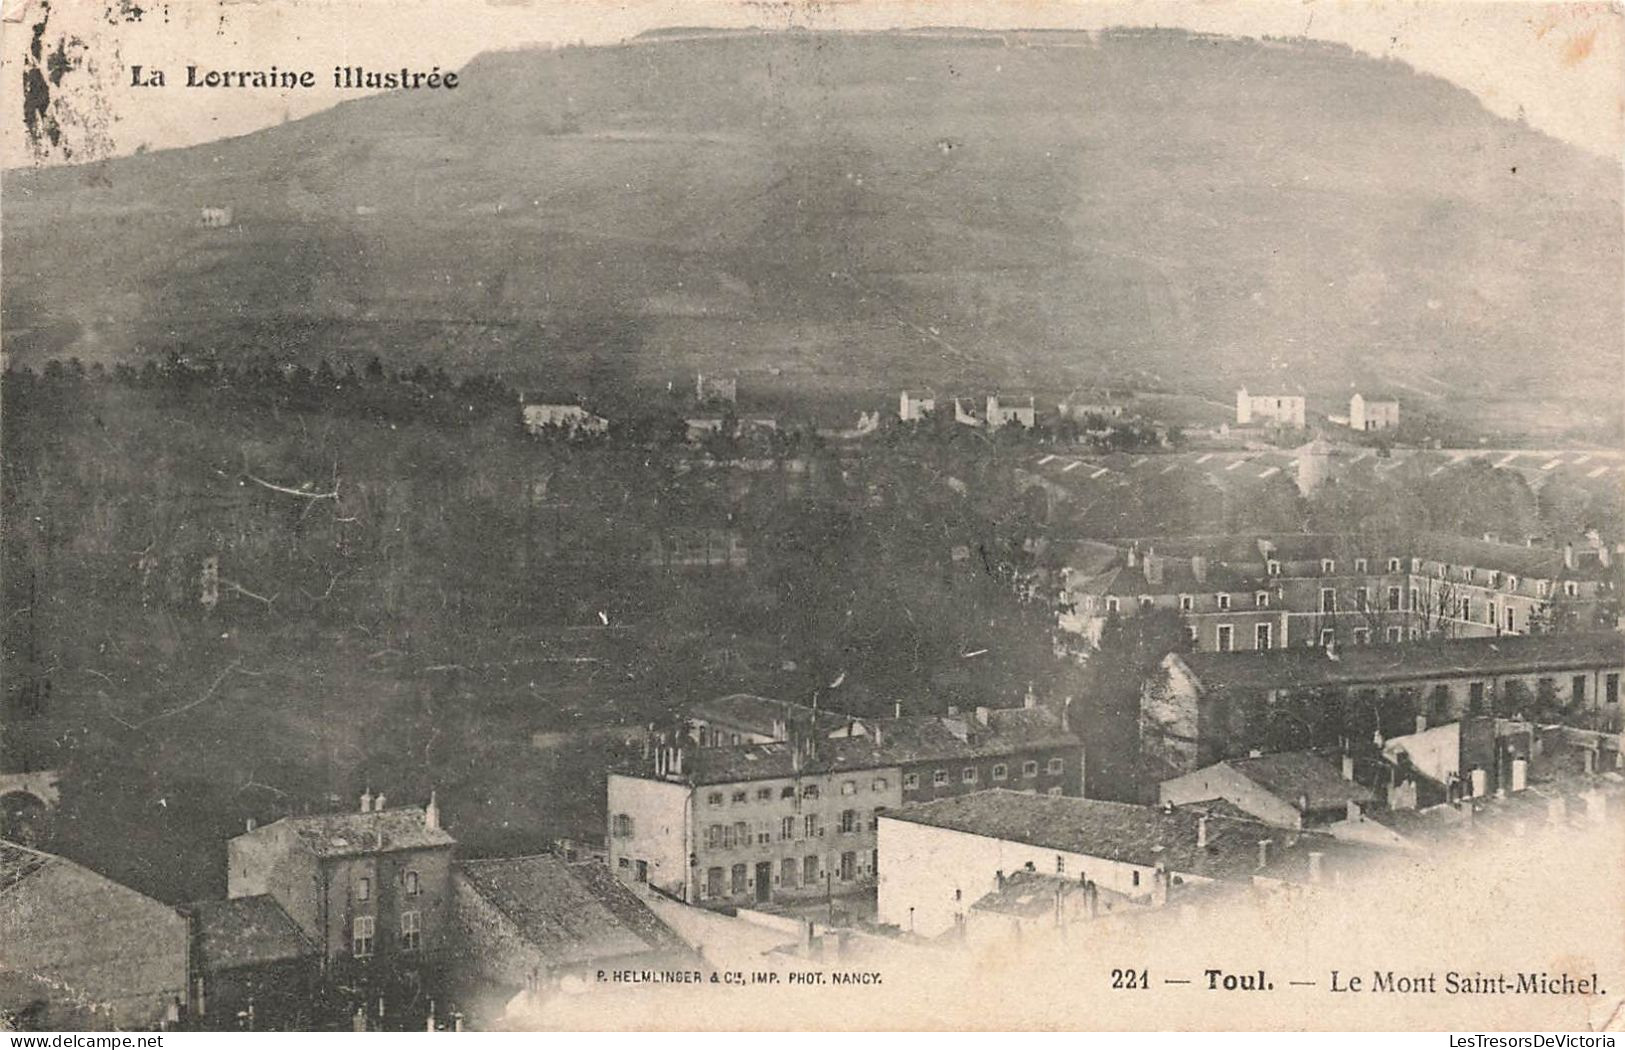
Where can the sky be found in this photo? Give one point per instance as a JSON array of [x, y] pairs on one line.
[[1560, 66]]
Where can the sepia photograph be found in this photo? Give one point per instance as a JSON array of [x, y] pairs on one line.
[[1060, 515]]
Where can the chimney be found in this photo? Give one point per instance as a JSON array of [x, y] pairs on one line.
[[1030, 701], [1421, 723], [249, 825], [431, 812], [982, 715], [1590, 754], [1480, 781], [1568, 556], [1153, 568], [1159, 888], [1348, 766], [378, 803], [1133, 555], [1315, 859], [366, 801], [998, 878], [1199, 568], [677, 761], [1264, 852], [897, 709], [1520, 774], [1201, 831]]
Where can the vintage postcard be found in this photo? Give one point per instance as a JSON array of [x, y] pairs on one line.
[[527, 514]]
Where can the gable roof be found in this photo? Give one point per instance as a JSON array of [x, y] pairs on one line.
[[354, 834], [1464, 657], [572, 912], [247, 931], [1291, 775], [1146, 836]]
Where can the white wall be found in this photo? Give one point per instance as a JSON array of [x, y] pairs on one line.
[[922, 868], [660, 828]]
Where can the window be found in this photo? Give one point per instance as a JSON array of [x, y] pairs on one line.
[[764, 837], [1491, 615], [911, 781], [1394, 634], [1145, 601], [1055, 766], [1001, 772], [1362, 598], [1029, 769], [741, 796], [1543, 587], [1190, 633], [787, 871], [409, 931], [363, 889], [741, 834], [968, 775], [849, 866], [1261, 636], [1495, 579], [1327, 566], [1056, 791], [1475, 698], [1111, 605], [361, 934], [849, 821], [788, 792], [1610, 688], [1273, 567], [1226, 637], [714, 798], [809, 869], [1262, 599], [1393, 599], [764, 794], [939, 778], [849, 787], [1393, 564], [1223, 600], [1328, 600], [713, 836], [1577, 688], [1362, 636], [880, 784], [413, 888], [622, 826], [1327, 637], [1466, 608], [713, 882], [1134, 878], [1511, 621], [1413, 602], [810, 791], [787, 828], [1512, 583], [1440, 570], [1184, 603], [737, 881], [1467, 573], [1571, 589], [809, 826], [1360, 566], [623, 863]]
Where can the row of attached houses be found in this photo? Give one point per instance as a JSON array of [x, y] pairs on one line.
[[1285, 591], [1204, 707], [796, 817], [371, 905]]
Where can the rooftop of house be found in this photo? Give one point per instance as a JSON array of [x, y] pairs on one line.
[[1535, 562], [1146, 836], [1295, 775], [1440, 658], [246, 931], [19, 862], [1032, 894], [352, 834], [1556, 802], [889, 742], [1175, 576], [572, 912], [761, 714]]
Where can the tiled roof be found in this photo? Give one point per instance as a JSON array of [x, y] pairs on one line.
[[1310, 666], [1142, 835], [349, 834], [890, 742], [1031, 894], [758, 714], [18, 863], [571, 912], [247, 931], [1291, 775]]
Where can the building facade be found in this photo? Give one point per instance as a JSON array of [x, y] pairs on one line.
[[1372, 415], [1286, 410]]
